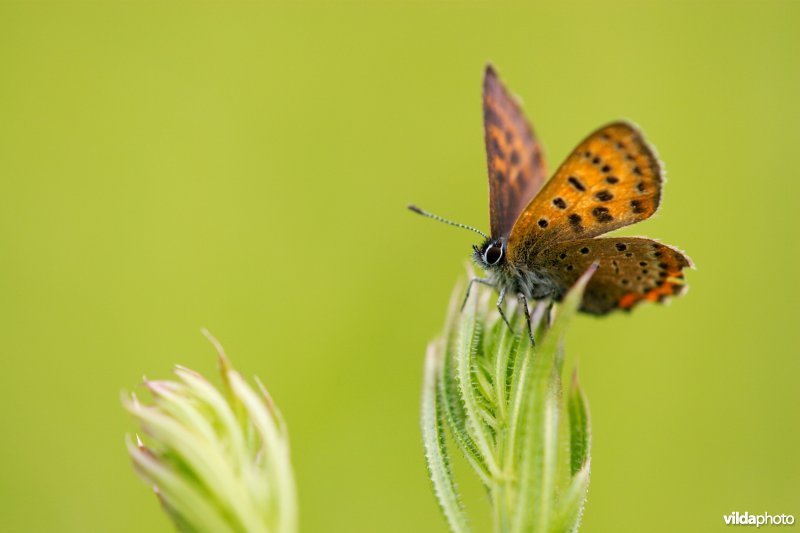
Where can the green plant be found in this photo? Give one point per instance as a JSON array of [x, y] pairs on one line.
[[499, 399], [217, 459]]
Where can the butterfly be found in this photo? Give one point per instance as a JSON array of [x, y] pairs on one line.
[[546, 233]]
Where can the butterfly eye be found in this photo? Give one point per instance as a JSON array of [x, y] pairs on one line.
[[493, 254]]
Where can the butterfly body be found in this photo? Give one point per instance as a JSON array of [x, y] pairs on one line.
[[546, 233], [531, 281]]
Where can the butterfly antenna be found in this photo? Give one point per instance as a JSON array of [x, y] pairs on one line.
[[440, 219]]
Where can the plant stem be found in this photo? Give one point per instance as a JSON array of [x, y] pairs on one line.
[[502, 518]]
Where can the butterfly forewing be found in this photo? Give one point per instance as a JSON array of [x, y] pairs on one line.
[[630, 270], [612, 179], [513, 153]]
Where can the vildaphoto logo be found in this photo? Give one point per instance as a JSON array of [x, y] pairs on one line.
[[758, 520]]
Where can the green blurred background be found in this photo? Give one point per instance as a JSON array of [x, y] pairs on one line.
[[245, 167]]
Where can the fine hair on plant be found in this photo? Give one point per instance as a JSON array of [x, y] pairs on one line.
[[498, 399]]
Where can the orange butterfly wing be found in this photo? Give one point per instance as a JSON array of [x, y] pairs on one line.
[[630, 270], [513, 155], [612, 179]]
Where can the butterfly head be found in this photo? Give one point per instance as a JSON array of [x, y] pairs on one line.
[[491, 254]]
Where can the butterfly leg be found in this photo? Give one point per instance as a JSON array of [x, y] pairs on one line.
[[500, 300], [469, 287], [524, 301]]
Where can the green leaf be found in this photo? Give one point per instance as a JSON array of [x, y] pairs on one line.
[[435, 442], [453, 409], [580, 440], [185, 499], [570, 511], [539, 431], [469, 342]]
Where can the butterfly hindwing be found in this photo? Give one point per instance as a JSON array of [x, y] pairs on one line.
[[513, 154], [612, 179], [630, 270]]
